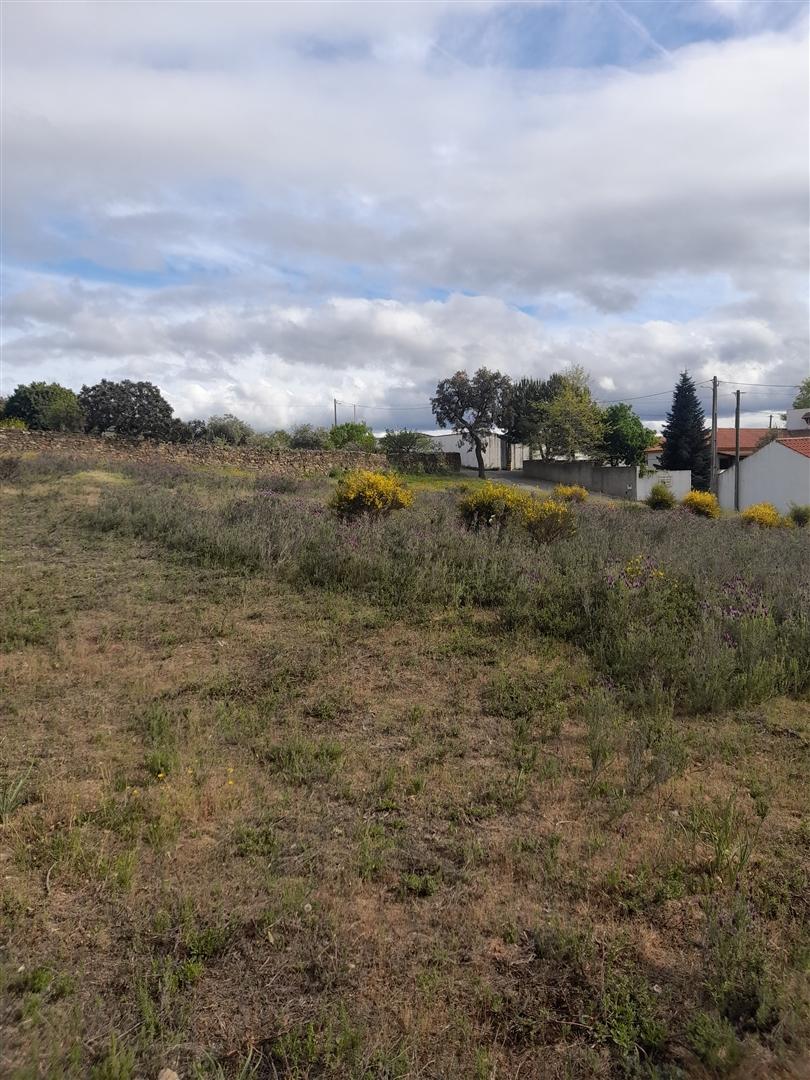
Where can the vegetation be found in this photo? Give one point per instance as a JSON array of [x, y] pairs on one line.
[[623, 438], [765, 515], [407, 442], [702, 503], [134, 409], [363, 491], [660, 497], [800, 515], [388, 795], [570, 492], [352, 436], [685, 443], [228, 429], [471, 407], [307, 437], [570, 422], [45, 407], [802, 399]]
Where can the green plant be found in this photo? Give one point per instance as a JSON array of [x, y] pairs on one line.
[[304, 761], [12, 794], [418, 884], [702, 503], [13, 423], [660, 497], [352, 436], [800, 515], [116, 1063], [365, 492], [45, 407], [715, 1042]]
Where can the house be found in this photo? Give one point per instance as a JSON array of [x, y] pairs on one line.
[[652, 454], [778, 473], [498, 454]]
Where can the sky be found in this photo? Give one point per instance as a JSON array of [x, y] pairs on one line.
[[261, 207]]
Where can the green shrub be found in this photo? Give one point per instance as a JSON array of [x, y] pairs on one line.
[[660, 497], [800, 515], [13, 423], [570, 492]]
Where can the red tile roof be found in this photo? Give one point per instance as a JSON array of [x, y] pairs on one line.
[[750, 438], [801, 445]]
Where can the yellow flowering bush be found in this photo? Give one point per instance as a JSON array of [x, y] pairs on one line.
[[495, 505], [363, 491], [765, 515], [570, 493], [702, 503]]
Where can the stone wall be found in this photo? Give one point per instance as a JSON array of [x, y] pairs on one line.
[[291, 462]]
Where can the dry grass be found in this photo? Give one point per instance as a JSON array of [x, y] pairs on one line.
[[254, 831]]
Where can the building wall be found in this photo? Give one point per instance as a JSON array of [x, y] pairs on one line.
[[493, 455], [775, 474]]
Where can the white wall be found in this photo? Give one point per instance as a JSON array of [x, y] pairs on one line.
[[452, 443], [775, 474], [679, 482], [796, 421]]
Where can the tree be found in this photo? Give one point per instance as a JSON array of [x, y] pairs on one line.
[[407, 442], [352, 436], [45, 407], [307, 437], [569, 422], [471, 407], [136, 409], [272, 440], [685, 443], [228, 429], [802, 399], [624, 437], [186, 431], [519, 417]]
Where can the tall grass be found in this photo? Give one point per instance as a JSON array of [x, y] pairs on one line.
[[707, 613]]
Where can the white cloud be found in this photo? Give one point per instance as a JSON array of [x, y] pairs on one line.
[[269, 167]]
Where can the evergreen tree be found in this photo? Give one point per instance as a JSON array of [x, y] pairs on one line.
[[686, 443], [45, 407]]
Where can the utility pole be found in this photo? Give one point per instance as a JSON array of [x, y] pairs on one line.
[[334, 403], [737, 451], [713, 443], [354, 409], [770, 422]]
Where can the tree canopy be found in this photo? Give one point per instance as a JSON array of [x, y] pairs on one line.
[[407, 442], [307, 437], [624, 437], [352, 436], [802, 399], [228, 429], [45, 407], [570, 421], [135, 409], [685, 443], [472, 407]]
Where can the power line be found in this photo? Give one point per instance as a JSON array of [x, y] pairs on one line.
[[388, 408]]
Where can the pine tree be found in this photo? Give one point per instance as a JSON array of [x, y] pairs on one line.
[[685, 443]]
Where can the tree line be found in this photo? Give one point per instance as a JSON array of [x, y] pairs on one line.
[[139, 410]]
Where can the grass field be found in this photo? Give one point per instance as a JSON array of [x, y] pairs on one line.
[[287, 797]]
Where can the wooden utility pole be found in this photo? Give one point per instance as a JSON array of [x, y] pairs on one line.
[[737, 451], [334, 404], [713, 443]]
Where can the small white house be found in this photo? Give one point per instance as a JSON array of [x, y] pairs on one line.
[[498, 454], [779, 474]]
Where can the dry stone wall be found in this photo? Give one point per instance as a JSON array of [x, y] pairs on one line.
[[287, 462]]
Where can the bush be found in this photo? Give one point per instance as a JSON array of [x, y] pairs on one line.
[[45, 407], [13, 423], [307, 437], [765, 515], [10, 468], [495, 505], [228, 429], [799, 515], [365, 492], [352, 436], [660, 497], [702, 503], [570, 493]]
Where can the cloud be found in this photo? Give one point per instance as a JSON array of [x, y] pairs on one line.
[[346, 198]]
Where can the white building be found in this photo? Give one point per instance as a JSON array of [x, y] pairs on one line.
[[498, 454], [779, 474]]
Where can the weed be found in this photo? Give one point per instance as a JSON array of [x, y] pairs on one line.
[[422, 885], [304, 761], [116, 1063], [12, 794], [260, 840], [715, 1042]]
